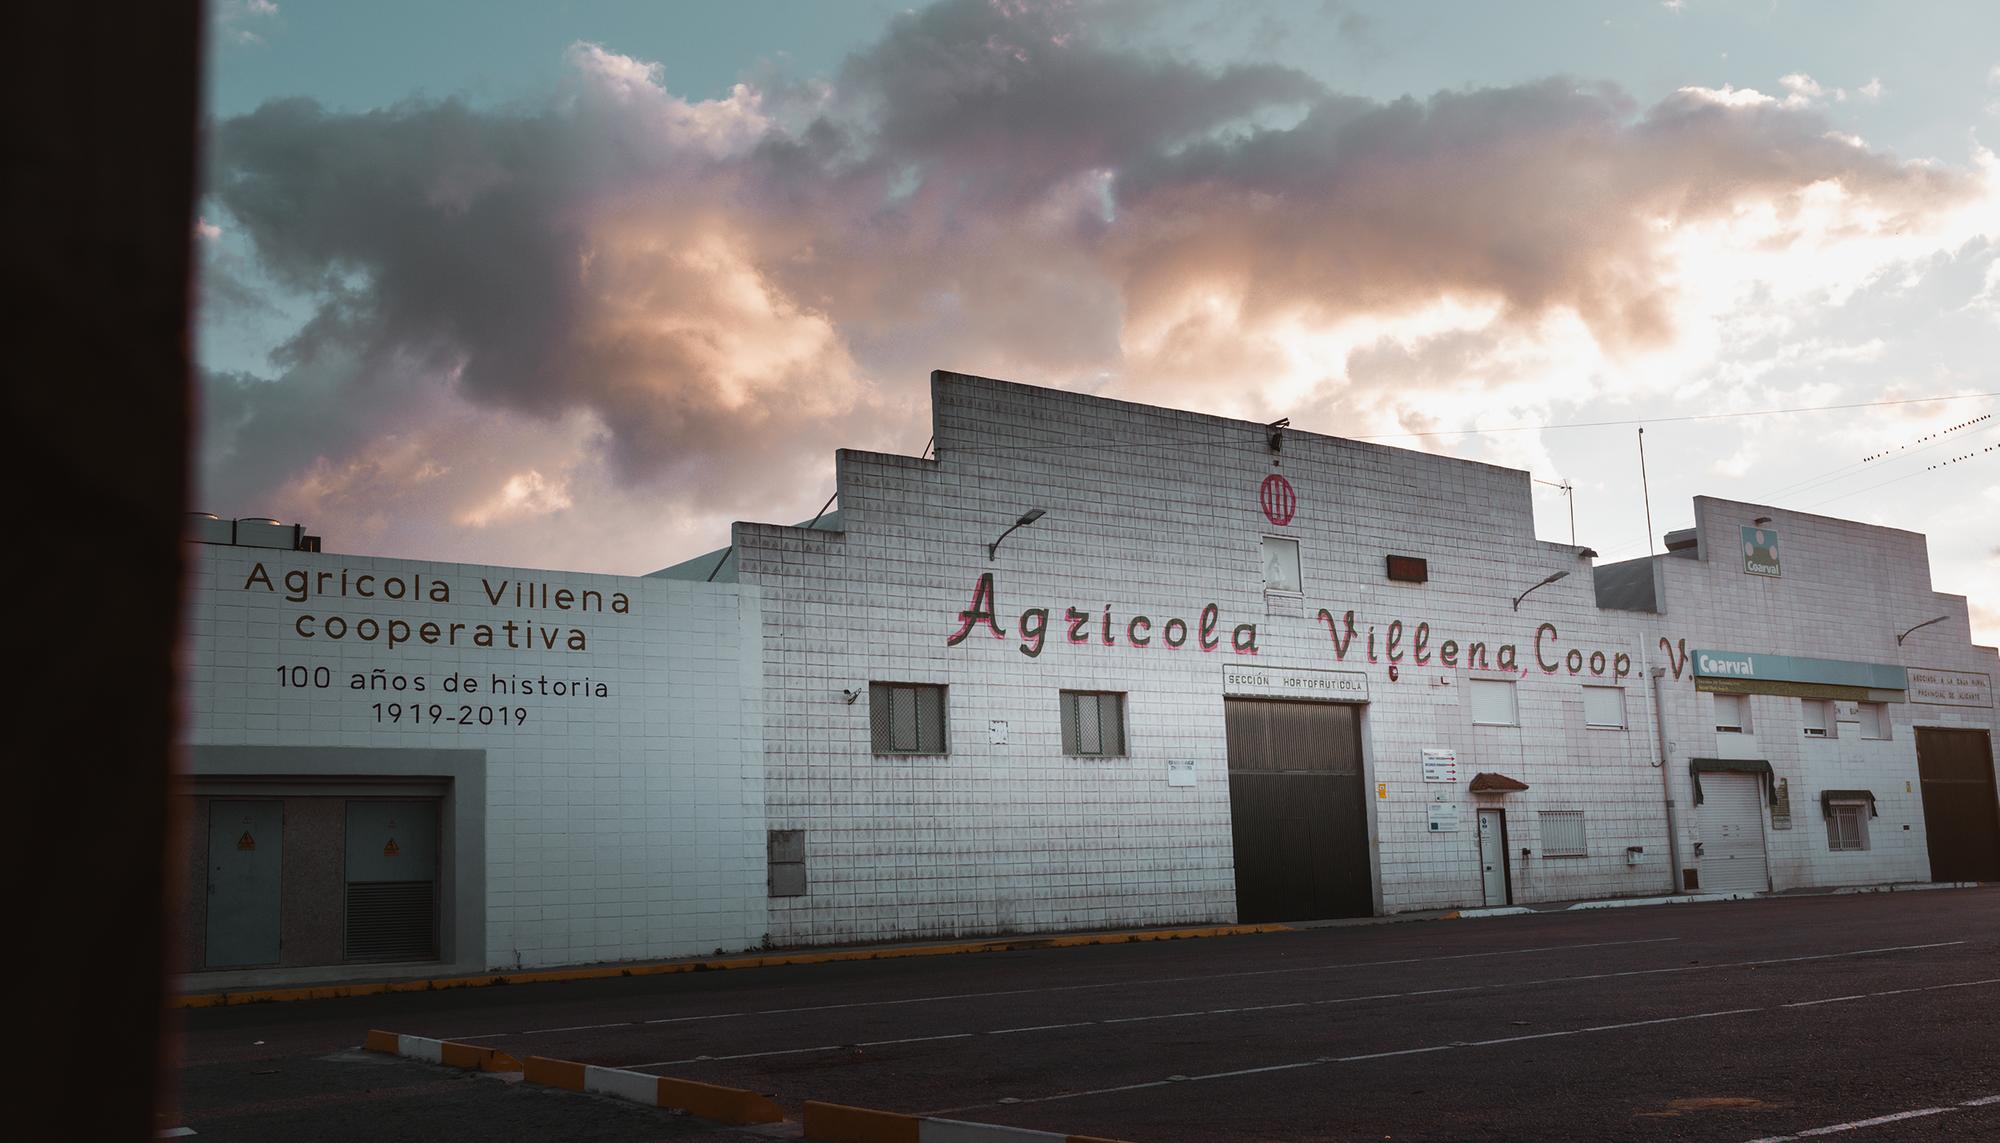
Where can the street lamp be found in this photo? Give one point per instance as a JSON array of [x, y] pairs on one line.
[[1919, 627], [1028, 517], [1552, 578]]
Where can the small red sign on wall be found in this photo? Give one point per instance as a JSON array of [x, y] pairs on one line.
[[1278, 499]]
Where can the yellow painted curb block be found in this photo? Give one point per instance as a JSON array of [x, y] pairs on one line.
[[773, 960], [447, 1052], [552, 1073], [838, 1123], [709, 1101]]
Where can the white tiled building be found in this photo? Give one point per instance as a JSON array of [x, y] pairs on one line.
[[1225, 672]]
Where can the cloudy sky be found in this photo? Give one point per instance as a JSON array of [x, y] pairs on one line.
[[577, 284]]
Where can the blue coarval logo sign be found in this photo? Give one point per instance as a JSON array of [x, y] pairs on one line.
[[1708, 664], [1760, 551]]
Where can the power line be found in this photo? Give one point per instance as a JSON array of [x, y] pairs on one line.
[[1260, 445]]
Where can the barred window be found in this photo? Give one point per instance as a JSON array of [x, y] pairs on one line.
[[1093, 724], [906, 718], [1846, 825], [1562, 834]]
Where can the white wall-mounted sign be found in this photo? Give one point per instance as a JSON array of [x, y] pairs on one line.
[[1443, 817], [1950, 688], [1293, 682], [996, 731], [1180, 772], [1440, 765]]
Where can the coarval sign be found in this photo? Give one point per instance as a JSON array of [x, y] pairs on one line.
[[1790, 669]]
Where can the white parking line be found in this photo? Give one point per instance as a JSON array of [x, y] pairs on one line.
[[1879, 1120], [1321, 1061], [1414, 994], [1070, 988]]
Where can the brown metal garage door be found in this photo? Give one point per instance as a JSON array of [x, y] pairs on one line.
[[1961, 813], [1296, 810]]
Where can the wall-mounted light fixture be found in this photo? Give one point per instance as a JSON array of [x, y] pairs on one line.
[[1919, 627], [1028, 517], [1761, 521], [1552, 578], [1277, 430], [1586, 553]]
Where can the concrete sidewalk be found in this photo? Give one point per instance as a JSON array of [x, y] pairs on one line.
[[190, 995]]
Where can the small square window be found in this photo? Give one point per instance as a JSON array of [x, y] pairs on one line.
[[1493, 702], [1732, 714], [1281, 564], [906, 718], [1093, 724], [1604, 707], [1874, 719], [1817, 718], [1847, 825]]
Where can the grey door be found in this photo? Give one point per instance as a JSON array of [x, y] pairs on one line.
[[246, 846], [392, 870], [1297, 816], [1493, 856]]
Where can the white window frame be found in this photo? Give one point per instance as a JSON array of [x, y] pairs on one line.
[[1624, 718], [1840, 810], [1873, 716], [1074, 740], [1476, 686], [1285, 543], [1824, 726], [882, 697], [1742, 705]]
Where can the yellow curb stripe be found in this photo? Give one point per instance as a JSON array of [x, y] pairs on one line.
[[837, 1123], [556, 975], [722, 1104], [379, 1041], [552, 1073]]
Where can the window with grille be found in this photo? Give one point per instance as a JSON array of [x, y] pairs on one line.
[[906, 718], [1604, 707], [1562, 834], [1093, 724], [1492, 702], [1846, 826]]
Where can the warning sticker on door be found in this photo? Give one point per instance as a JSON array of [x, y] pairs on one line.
[[391, 849], [246, 841]]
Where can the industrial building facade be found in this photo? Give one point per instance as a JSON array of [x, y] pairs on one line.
[[1091, 664]]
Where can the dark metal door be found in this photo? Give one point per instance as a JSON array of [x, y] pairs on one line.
[[1961, 813], [392, 869], [246, 846], [1297, 814]]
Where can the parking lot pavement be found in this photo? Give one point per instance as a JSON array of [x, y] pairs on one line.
[[349, 1094], [1726, 1021]]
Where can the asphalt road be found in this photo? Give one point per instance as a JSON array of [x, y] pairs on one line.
[[1733, 1021]]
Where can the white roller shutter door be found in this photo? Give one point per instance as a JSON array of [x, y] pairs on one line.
[[1732, 833]]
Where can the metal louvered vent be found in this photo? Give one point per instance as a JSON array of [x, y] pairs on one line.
[[391, 920]]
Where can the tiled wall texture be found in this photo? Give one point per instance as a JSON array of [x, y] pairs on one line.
[[633, 825], [1157, 512], [622, 823], [1846, 592]]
